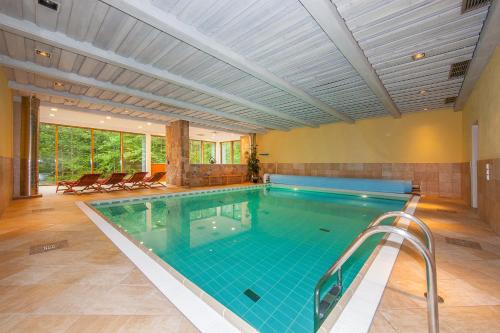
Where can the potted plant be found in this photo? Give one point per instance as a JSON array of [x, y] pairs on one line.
[[211, 160], [253, 166]]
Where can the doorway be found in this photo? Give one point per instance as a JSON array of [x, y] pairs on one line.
[[473, 165]]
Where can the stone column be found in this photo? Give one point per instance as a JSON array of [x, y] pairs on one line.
[[177, 136], [28, 146]]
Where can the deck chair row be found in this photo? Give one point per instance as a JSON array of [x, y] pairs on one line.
[[91, 182]]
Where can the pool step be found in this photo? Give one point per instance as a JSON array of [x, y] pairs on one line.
[[329, 301]]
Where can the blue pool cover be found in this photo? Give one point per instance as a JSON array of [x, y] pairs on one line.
[[352, 184]]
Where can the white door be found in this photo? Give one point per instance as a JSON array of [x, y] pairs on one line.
[[473, 166]]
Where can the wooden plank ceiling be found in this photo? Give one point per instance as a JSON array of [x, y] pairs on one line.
[[281, 70]]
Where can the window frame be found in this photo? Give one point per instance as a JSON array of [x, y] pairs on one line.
[[232, 151], [92, 148]]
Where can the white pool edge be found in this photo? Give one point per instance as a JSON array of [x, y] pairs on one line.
[[359, 311], [202, 315]]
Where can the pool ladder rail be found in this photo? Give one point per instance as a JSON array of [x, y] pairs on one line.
[[323, 307]]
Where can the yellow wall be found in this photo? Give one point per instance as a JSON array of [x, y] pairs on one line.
[[483, 107], [5, 117], [421, 137]]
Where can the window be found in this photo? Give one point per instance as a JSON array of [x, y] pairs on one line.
[[47, 155], [236, 152], [134, 152], [231, 152], [158, 150], [195, 152], [201, 152], [74, 157], [107, 152], [208, 152]]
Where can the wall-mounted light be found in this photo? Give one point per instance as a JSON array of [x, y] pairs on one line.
[[53, 109]]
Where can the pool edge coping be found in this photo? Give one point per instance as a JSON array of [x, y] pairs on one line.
[[375, 274], [220, 314]]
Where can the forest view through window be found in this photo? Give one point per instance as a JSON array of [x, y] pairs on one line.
[[66, 153]]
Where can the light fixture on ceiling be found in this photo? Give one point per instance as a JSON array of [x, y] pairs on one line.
[[139, 127], [53, 109], [418, 56], [108, 117], [423, 92], [101, 121], [43, 53], [149, 124], [52, 115], [58, 84], [425, 109]]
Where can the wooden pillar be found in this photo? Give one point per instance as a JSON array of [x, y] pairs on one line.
[[177, 138]]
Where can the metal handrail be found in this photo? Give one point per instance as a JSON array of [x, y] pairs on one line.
[[432, 299], [426, 231]]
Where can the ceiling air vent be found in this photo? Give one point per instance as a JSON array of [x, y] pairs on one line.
[[468, 5], [49, 4], [450, 100], [458, 69]]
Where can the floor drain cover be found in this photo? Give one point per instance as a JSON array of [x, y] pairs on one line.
[[39, 210], [252, 295], [446, 211], [48, 247], [463, 242], [325, 230]]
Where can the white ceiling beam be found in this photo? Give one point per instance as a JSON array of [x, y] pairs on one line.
[[328, 18], [87, 81], [146, 12], [488, 42], [98, 101], [98, 112], [30, 30]]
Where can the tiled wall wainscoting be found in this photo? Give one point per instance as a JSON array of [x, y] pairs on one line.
[[5, 182], [438, 179], [199, 173], [489, 192]]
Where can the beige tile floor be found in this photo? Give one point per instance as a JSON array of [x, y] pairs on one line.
[[468, 279], [90, 286]]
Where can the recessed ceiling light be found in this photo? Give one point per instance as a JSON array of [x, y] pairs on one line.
[[425, 109], [423, 92], [418, 56], [53, 109], [42, 53], [108, 117], [58, 84], [139, 126], [52, 115], [101, 121], [149, 124]]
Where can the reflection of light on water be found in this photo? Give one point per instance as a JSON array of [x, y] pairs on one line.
[[214, 227], [233, 228], [364, 196]]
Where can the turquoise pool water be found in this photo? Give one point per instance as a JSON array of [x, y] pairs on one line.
[[274, 242]]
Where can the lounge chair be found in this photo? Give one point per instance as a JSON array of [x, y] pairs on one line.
[[113, 182], [155, 179], [86, 182], [135, 181]]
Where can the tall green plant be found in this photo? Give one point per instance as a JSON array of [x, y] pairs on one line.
[[253, 166]]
